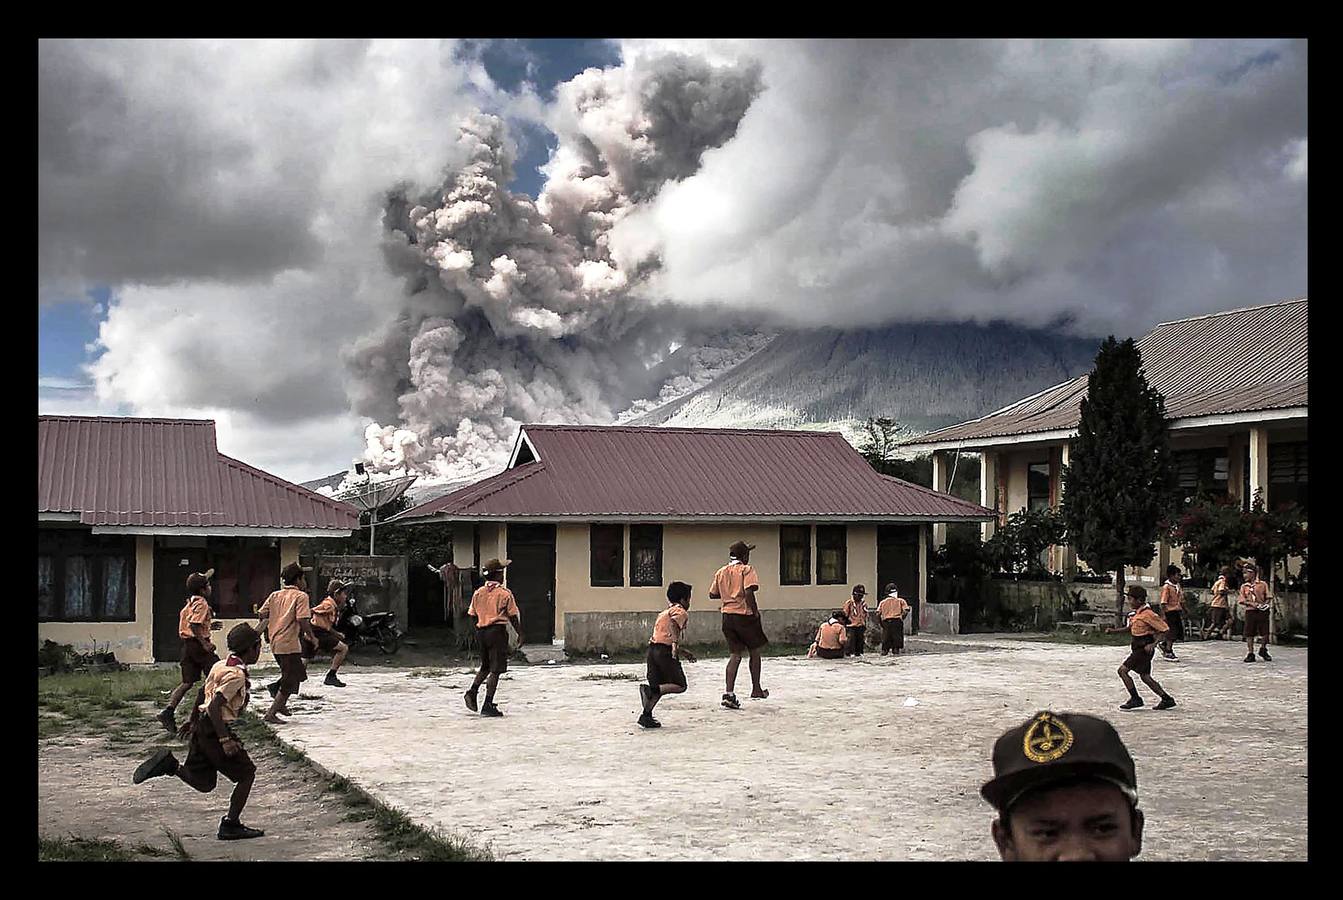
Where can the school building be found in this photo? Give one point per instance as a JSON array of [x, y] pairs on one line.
[[127, 508], [600, 519], [1236, 389]]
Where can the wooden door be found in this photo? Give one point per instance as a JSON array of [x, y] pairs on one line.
[[171, 568], [531, 578], [898, 561]]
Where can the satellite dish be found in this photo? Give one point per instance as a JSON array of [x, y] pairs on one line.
[[372, 495]]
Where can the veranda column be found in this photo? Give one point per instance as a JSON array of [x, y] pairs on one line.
[[940, 471], [1069, 554], [988, 490]]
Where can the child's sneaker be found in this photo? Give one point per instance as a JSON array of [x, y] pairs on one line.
[[730, 702], [1263, 654], [161, 763], [470, 698], [647, 721], [1249, 657], [168, 720], [332, 680], [489, 709], [1132, 703], [1167, 702], [236, 831]]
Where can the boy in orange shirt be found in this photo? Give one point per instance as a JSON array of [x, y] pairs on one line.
[[735, 585], [492, 604], [1144, 624], [892, 611], [1220, 610], [1172, 608], [1255, 600], [194, 624], [329, 640], [856, 610], [832, 636], [665, 675]]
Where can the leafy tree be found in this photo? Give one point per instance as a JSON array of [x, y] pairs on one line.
[[878, 447], [1217, 532], [1016, 546], [880, 436], [1119, 485]]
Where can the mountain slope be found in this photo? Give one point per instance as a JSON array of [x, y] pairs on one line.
[[924, 376]]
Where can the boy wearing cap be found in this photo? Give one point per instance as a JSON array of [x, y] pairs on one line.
[[892, 611], [492, 604], [832, 636], [855, 608], [1220, 609], [1144, 624], [735, 586], [1065, 790], [665, 675], [1255, 600], [215, 750], [194, 624], [329, 640], [1172, 607], [285, 619]]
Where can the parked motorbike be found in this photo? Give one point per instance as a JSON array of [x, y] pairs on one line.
[[362, 629]]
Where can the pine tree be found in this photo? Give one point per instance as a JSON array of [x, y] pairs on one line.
[[1119, 484]]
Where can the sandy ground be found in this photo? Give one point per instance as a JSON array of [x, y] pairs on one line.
[[84, 789], [567, 774]]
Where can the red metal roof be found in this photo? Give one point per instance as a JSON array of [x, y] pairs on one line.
[[1242, 360], [168, 473], [587, 471]]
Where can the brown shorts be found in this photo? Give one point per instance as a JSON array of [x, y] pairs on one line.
[[493, 648], [1219, 616], [196, 661], [827, 653], [206, 759], [743, 632], [663, 668], [1256, 623], [292, 671], [326, 640], [1175, 619], [1139, 660]]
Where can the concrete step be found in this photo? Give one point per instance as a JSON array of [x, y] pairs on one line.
[[543, 653]]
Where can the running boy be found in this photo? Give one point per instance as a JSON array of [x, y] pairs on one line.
[[856, 609], [735, 585], [215, 750], [285, 619], [892, 611], [1144, 624], [492, 604], [329, 640], [1255, 600], [1220, 611], [198, 649], [665, 675], [1172, 607], [832, 636]]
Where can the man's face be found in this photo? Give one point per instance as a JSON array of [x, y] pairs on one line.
[[1089, 821]]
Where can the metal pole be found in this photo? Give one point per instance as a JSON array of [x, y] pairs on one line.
[[372, 526]]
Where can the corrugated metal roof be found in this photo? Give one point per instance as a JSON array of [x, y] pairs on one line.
[[688, 473], [1243, 360], [168, 473]]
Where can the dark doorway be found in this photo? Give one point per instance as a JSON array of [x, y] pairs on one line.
[[531, 578], [171, 568], [898, 561]]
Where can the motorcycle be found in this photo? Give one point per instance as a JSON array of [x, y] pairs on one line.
[[375, 628]]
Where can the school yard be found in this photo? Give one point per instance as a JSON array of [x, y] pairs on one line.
[[848, 759]]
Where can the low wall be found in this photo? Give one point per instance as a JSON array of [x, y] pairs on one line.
[[621, 632], [940, 618]]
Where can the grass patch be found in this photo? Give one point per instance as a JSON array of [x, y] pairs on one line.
[[179, 849], [611, 676], [77, 849], [100, 702], [150, 850], [429, 673]]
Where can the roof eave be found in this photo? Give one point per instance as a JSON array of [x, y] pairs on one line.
[[444, 518]]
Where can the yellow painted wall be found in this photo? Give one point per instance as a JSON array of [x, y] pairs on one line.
[[693, 553], [132, 642]]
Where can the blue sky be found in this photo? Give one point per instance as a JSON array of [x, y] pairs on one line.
[[67, 328]]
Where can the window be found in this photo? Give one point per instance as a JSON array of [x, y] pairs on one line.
[[1288, 475], [795, 554], [1201, 472], [608, 555], [831, 554], [645, 555], [1037, 486], [82, 577]]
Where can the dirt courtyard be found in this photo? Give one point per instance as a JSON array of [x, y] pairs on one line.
[[837, 764]]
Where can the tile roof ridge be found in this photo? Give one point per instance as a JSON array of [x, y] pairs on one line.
[[58, 417], [1231, 312], [287, 485], [659, 429], [997, 412]]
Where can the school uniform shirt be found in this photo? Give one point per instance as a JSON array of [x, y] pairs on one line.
[[1254, 596], [856, 610], [1219, 592], [492, 603], [1172, 598], [324, 614], [670, 625], [892, 608], [730, 584], [831, 636], [229, 678], [285, 607], [194, 619], [1146, 621]]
